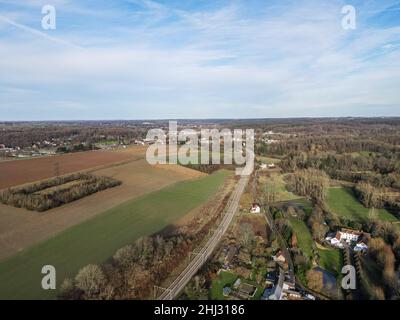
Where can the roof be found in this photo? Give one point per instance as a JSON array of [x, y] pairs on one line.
[[247, 289], [351, 231], [237, 282], [271, 276], [226, 291], [267, 293]]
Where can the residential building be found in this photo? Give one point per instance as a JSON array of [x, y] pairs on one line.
[[345, 237], [255, 208]]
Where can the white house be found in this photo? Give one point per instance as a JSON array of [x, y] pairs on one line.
[[350, 235], [345, 237], [335, 241], [361, 247], [255, 208]]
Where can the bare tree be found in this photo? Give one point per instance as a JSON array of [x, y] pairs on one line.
[[90, 279], [315, 280], [246, 235], [126, 256], [372, 214], [67, 289]]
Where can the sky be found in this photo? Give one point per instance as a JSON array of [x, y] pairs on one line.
[[153, 59]]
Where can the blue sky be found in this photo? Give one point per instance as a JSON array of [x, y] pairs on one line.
[[147, 59]]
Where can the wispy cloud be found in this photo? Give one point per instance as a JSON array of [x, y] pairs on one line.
[[151, 59], [36, 32]]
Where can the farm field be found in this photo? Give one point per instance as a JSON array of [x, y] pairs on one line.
[[304, 239], [23, 171], [20, 228], [97, 239], [343, 202]]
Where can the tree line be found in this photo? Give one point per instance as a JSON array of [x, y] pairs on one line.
[[51, 193], [135, 268]]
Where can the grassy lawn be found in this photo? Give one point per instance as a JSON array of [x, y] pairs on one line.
[[304, 239], [278, 186], [283, 193], [364, 154], [96, 240], [331, 260], [268, 160], [226, 278], [108, 142], [305, 204], [343, 202]]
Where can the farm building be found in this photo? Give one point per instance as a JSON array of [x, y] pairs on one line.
[[255, 208]]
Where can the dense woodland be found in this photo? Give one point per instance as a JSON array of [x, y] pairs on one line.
[[365, 152], [25, 135]]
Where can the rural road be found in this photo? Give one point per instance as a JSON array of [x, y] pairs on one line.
[[201, 257]]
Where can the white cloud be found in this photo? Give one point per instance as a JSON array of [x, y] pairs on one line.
[[217, 63]]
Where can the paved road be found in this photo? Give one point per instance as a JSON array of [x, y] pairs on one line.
[[201, 257]]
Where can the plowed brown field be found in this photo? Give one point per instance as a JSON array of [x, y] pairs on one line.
[[18, 172], [20, 228]]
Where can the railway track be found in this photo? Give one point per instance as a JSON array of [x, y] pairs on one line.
[[205, 252]]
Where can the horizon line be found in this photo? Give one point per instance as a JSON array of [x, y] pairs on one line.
[[202, 119]]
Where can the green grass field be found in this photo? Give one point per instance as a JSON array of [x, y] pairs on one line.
[[226, 278], [96, 240], [268, 160], [277, 185], [331, 260], [108, 142], [343, 202], [304, 239]]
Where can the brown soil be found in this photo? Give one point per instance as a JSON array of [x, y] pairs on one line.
[[18, 172], [20, 228]]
